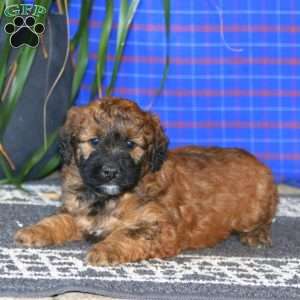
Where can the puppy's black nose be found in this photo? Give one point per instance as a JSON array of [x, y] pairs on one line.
[[109, 172]]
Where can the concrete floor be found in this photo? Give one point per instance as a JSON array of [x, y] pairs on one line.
[[283, 189]]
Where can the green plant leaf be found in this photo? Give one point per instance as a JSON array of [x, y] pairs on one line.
[[50, 166], [103, 44], [4, 181], [122, 19], [83, 22], [83, 55], [2, 5], [6, 3], [37, 156], [3, 63], [122, 34], [6, 106], [61, 6], [5, 168], [6, 46], [24, 63], [167, 13], [11, 2], [82, 61]]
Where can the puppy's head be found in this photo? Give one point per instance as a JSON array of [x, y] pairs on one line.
[[113, 143]]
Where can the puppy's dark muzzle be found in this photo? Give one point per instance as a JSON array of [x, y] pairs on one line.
[[109, 173]]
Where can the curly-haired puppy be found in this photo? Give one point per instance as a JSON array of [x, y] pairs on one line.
[[135, 200]]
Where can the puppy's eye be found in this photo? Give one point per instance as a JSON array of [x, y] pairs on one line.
[[94, 141], [130, 144]]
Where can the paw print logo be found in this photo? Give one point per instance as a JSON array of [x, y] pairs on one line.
[[24, 31]]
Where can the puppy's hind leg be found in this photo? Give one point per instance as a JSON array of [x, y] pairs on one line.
[[258, 232], [258, 237]]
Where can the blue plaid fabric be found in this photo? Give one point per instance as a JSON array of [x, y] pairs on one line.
[[234, 77]]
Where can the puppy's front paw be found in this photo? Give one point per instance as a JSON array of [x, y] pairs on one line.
[[103, 256], [33, 236]]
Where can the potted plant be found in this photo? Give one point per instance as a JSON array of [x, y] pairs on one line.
[[38, 81]]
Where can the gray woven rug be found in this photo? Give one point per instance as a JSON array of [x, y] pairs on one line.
[[229, 271]]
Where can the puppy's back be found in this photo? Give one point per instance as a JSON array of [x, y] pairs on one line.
[[221, 190]]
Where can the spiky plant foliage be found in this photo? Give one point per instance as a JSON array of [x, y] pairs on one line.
[[13, 78]]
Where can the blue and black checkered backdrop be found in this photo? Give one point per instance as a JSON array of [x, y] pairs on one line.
[[234, 78]]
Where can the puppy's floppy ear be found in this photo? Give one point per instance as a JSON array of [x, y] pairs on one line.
[[67, 132], [160, 146], [65, 147]]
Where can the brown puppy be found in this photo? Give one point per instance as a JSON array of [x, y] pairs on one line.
[[135, 200]]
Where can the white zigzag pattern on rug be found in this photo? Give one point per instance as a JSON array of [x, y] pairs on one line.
[[62, 264]]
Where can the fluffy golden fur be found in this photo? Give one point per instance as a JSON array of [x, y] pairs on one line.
[[188, 198]]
